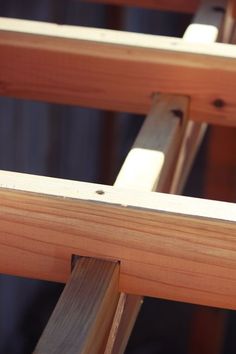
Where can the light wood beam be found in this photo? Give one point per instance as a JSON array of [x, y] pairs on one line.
[[81, 320], [170, 247], [101, 69]]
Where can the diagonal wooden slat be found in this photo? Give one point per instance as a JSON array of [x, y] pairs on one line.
[[81, 320]]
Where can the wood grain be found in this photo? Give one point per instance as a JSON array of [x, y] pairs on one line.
[[75, 65], [81, 320], [171, 247], [167, 5], [148, 166]]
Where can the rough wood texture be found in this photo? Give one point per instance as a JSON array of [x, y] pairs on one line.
[[167, 5], [75, 65], [171, 247], [81, 320]]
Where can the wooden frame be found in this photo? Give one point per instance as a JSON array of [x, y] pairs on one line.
[[170, 247]]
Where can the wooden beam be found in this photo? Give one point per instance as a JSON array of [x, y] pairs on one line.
[[171, 247], [75, 65], [167, 5], [81, 320]]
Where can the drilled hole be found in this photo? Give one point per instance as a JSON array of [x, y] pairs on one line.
[[219, 103], [100, 192]]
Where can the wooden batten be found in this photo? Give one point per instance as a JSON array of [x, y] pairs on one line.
[[77, 66]]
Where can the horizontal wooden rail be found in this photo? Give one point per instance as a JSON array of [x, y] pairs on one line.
[[168, 5], [168, 246], [115, 70]]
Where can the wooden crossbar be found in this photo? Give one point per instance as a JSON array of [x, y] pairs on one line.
[[169, 246], [101, 69]]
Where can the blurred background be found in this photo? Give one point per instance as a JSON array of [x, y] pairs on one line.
[[55, 140]]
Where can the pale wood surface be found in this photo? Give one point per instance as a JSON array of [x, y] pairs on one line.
[[149, 162], [76, 65], [207, 22], [81, 320], [171, 247], [167, 5]]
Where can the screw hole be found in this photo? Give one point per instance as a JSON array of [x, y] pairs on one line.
[[100, 192], [219, 103]]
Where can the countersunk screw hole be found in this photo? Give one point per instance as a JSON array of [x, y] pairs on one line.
[[100, 192]]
